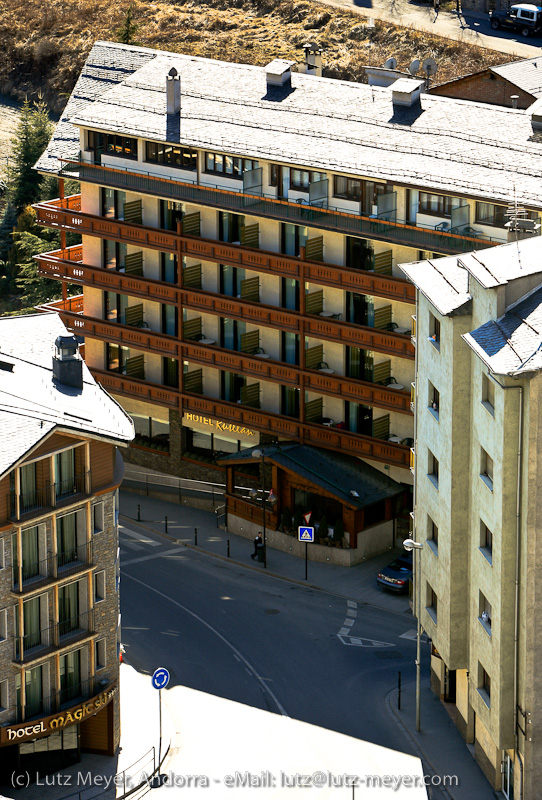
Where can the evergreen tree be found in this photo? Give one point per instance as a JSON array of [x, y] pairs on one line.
[[30, 140], [129, 29], [34, 288]]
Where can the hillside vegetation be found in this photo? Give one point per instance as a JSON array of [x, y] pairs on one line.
[[44, 45]]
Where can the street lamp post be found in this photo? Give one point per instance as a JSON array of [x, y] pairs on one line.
[[410, 544], [273, 499]]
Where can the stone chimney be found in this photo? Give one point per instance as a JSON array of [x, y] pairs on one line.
[[67, 363], [313, 59], [173, 92]]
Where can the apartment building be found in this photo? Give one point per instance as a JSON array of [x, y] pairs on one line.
[[242, 230], [59, 571], [477, 498]]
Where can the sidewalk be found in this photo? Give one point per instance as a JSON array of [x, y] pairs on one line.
[[439, 743]]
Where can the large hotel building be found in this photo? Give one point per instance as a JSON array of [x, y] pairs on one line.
[[242, 230], [59, 572]]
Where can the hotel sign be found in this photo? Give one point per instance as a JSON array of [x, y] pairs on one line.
[[217, 425], [47, 725]]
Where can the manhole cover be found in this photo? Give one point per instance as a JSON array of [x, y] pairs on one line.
[[272, 611], [388, 654]]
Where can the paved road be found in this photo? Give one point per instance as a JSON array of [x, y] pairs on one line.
[[470, 27], [274, 646]]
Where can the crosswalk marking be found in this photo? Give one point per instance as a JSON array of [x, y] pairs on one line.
[[141, 537], [132, 546]]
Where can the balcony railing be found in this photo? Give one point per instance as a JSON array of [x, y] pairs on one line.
[[25, 503], [74, 484], [31, 645], [68, 265], [329, 218], [26, 576], [324, 328], [57, 701]]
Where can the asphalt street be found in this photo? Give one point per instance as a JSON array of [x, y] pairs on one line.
[[262, 641]]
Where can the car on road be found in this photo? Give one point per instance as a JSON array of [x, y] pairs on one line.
[[523, 17], [397, 574]]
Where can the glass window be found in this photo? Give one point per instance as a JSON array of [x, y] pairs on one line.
[[183, 157], [120, 146]]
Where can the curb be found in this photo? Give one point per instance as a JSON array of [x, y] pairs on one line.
[[252, 568], [414, 742]]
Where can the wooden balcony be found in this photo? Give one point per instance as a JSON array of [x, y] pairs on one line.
[[266, 369], [397, 344], [64, 263], [329, 218], [257, 419]]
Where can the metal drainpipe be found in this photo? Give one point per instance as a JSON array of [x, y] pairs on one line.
[[416, 605], [516, 598]]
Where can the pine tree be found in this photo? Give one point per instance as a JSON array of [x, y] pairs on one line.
[[129, 29], [34, 288], [30, 140]]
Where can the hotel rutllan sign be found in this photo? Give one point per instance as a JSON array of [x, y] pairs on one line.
[[217, 425], [10, 734]]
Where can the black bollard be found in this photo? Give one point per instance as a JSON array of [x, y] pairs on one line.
[[196, 537], [165, 520], [399, 691], [228, 548], [138, 513]]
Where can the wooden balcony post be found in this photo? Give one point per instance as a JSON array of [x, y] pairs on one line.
[[20, 617], [19, 560], [17, 493], [22, 691], [56, 632]]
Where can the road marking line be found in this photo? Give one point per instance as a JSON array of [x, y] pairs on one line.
[[352, 604], [232, 647], [358, 641], [151, 557], [133, 546], [409, 635], [349, 622], [343, 631], [141, 537], [351, 613]]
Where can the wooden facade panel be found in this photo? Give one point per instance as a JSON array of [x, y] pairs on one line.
[[102, 461], [95, 732], [55, 442]]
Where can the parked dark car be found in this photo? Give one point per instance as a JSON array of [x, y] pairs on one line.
[[523, 17], [397, 574]]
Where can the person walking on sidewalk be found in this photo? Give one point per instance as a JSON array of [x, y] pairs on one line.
[[437, 5], [258, 542]]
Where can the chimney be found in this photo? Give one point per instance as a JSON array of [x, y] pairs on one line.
[[67, 363], [173, 92], [514, 98], [313, 59], [406, 92], [279, 73]]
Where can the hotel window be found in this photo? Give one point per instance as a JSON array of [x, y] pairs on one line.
[[3, 624], [486, 468], [300, 179], [116, 357], [180, 157], [112, 144], [2, 555], [170, 372], [488, 394], [99, 586], [431, 603], [66, 481], [292, 238], [98, 518], [289, 401], [67, 548], [434, 331], [484, 613], [70, 676], [33, 685], [168, 267], [489, 214], [4, 695], [99, 654], [113, 202], [484, 685], [438, 205], [229, 227], [171, 212], [432, 535], [290, 347], [432, 469], [114, 255], [486, 542], [434, 400], [231, 166], [364, 192]]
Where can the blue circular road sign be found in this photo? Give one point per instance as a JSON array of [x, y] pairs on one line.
[[160, 678]]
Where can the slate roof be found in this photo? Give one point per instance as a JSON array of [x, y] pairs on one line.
[[512, 344], [527, 74], [338, 474], [444, 144], [32, 405], [443, 281]]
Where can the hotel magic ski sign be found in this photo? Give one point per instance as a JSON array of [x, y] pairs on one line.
[[47, 725]]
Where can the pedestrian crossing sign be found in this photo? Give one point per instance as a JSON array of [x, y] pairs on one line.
[[305, 534]]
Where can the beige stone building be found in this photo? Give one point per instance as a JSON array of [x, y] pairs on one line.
[[59, 603], [478, 393]]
